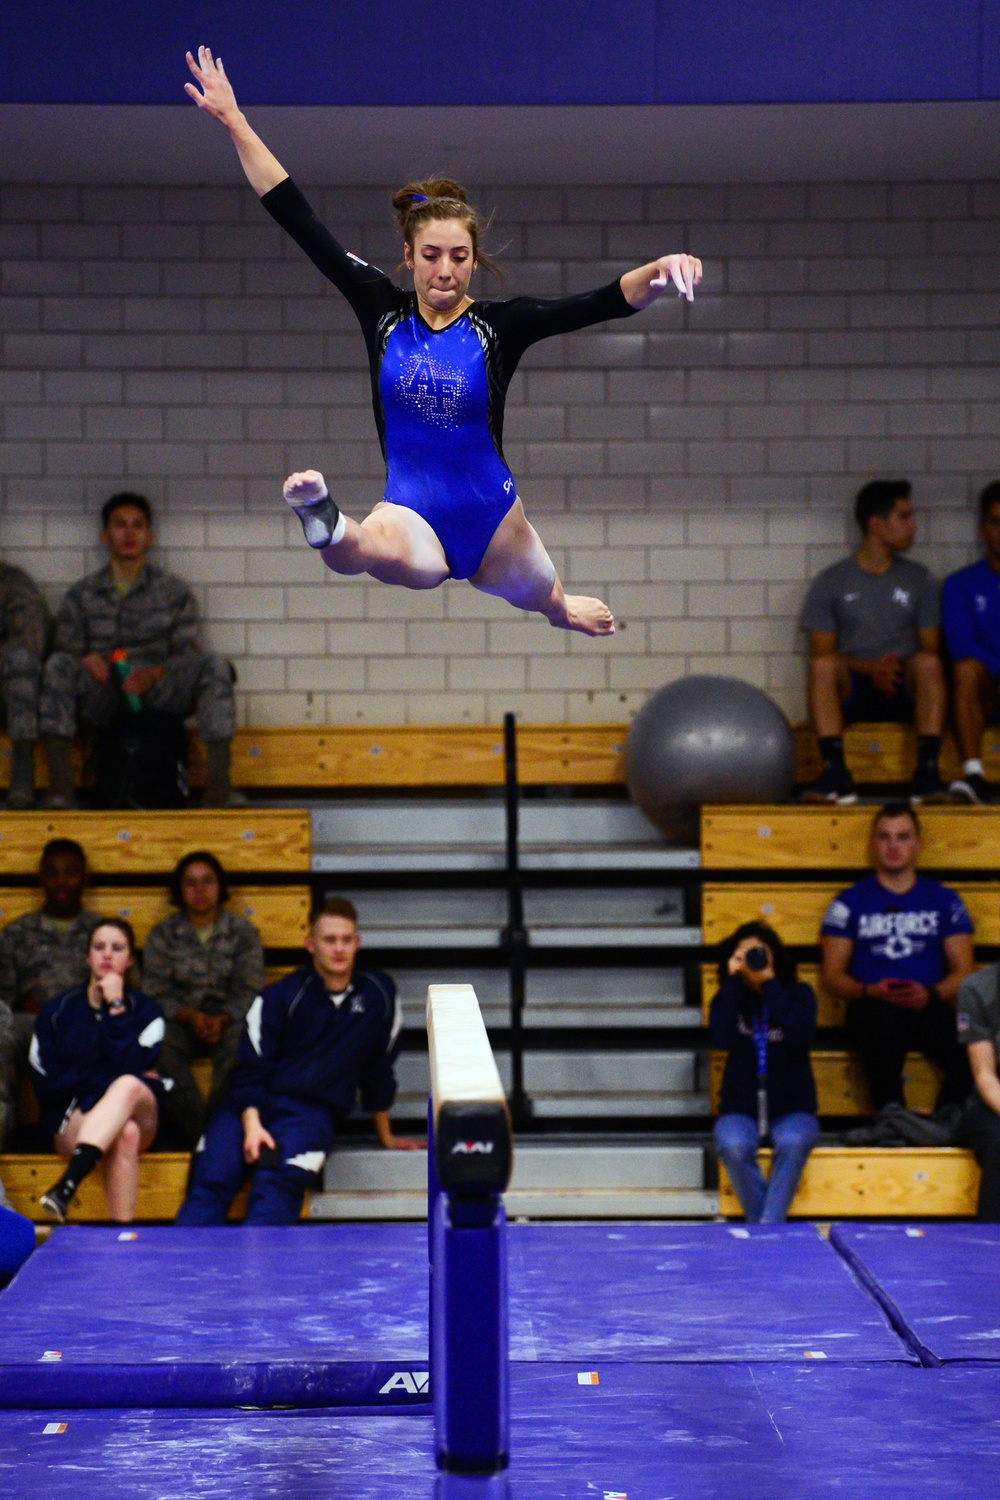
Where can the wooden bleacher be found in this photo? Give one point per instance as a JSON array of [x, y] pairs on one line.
[[472, 755], [150, 843], [403, 756], [905, 1182], [754, 845], [792, 838]]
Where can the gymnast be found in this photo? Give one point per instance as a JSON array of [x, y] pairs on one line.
[[440, 366]]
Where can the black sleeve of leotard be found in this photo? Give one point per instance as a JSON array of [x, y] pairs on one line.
[[368, 290], [522, 321]]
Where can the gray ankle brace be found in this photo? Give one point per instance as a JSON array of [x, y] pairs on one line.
[[322, 522]]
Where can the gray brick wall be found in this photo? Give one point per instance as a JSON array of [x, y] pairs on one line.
[[694, 466]]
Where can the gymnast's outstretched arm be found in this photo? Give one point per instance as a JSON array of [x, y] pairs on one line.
[[264, 170]]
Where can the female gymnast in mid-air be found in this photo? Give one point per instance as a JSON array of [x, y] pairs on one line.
[[441, 363]]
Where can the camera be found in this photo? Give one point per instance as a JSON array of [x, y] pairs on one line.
[[756, 959]]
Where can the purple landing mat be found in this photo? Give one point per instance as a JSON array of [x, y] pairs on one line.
[[328, 1315], [690, 1432], [666, 1292], [155, 1316], [938, 1283]]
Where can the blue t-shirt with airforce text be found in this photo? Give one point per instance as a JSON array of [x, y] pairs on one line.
[[897, 936]]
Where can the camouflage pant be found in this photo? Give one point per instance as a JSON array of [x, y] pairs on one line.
[[16, 1029], [199, 683], [20, 678], [183, 1111]]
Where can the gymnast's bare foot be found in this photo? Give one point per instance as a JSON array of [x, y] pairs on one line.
[[589, 616], [305, 488]]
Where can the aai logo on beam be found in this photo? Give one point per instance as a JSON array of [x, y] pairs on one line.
[[413, 1382]]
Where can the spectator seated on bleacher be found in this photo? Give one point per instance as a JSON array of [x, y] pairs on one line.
[[42, 954], [896, 946], [204, 965], [765, 1021], [970, 617], [309, 1043], [93, 1064], [979, 1125], [24, 628], [872, 622], [133, 606]]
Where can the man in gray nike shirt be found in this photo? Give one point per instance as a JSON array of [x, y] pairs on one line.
[[872, 622]]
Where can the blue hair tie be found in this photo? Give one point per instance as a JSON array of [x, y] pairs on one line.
[[420, 198]]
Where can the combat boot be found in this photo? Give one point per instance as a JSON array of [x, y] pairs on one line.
[[219, 791], [22, 776]]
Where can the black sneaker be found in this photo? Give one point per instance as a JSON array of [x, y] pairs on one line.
[[835, 785], [974, 789], [927, 788]]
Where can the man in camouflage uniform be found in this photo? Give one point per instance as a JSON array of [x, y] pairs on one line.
[[42, 954], [136, 607], [205, 966], [24, 627]]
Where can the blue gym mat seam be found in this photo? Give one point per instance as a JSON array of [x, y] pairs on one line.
[[867, 1281]]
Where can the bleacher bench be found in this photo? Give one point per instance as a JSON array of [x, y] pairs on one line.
[[472, 755], [876, 1182]]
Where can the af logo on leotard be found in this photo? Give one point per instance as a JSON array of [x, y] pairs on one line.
[[435, 389]]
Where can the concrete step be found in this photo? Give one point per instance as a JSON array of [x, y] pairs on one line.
[[444, 835], [571, 1203], [596, 1072], [552, 1178], [582, 1075], [571, 1016], [632, 1106], [562, 997], [618, 917], [431, 918]]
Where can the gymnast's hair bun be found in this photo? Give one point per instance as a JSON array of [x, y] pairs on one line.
[[415, 194]]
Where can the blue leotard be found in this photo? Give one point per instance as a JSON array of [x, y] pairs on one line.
[[439, 395]]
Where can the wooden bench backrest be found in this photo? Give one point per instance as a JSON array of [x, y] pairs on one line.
[[151, 843], [795, 910], [280, 913], [815, 838]]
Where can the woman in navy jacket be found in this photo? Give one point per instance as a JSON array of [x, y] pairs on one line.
[[93, 1063], [765, 1021]]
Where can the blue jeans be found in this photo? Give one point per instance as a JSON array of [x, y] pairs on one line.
[[765, 1200]]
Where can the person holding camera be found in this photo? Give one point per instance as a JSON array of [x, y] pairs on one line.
[[765, 1021], [93, 1063], [896, 946]]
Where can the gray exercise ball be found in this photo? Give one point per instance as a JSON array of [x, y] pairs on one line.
[[707, 739]]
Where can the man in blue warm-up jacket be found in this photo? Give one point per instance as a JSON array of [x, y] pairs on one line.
[[970, 618], [310, 1042]]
